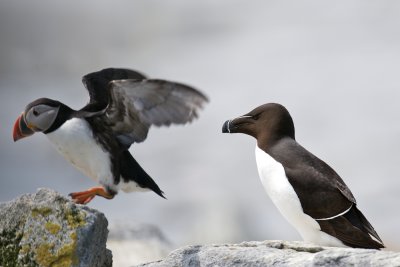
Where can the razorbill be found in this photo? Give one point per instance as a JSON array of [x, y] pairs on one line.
[[310, 194], [95, 139]]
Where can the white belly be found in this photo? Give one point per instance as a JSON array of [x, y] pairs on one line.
[[282, 194], [130, 186], [74, 140]]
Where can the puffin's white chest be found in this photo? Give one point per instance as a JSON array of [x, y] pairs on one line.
[[74, 140], [282, 194]]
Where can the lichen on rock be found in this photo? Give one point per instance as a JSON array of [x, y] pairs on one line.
[[65, 256], [46, 229], [52, 228], [41, 211], [9, 247]]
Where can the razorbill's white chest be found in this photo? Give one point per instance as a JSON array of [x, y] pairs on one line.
[[282, 194]]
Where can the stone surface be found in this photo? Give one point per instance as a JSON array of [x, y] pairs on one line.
[[275, 253], [46, 229]]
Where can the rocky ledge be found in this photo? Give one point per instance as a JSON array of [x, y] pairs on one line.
[[46, 229], [275, 253]]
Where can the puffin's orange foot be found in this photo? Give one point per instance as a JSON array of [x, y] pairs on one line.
[[85, 197]]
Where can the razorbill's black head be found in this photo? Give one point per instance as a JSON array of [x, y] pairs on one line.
[[123, 105], [267, 122], [308, 192]]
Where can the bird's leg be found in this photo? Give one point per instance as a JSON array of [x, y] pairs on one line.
[[85, 197]]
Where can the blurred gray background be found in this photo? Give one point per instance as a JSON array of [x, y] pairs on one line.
[[335, 66]]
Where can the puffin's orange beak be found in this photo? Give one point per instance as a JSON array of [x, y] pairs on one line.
[[20, 129]]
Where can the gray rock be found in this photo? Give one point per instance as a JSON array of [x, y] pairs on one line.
[[46, 229], [275, 253]]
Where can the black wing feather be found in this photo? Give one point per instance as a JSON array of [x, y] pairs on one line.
[[129, 104], [352, 229], [313, 180], [316, 182], [136, 105], [97, 84]]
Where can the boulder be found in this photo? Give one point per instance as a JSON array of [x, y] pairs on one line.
[[275, 253], [47, 229]]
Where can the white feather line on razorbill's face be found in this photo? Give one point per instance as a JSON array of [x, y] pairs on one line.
[[75, 141], [282, 194]]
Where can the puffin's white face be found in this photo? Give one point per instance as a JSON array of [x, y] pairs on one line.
[[36, 118], [40, 118]]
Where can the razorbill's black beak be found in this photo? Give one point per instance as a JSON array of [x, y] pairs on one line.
[[237, 125], [225, 127], [21, 129]]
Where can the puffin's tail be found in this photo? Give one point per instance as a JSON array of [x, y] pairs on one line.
[[131, 170]]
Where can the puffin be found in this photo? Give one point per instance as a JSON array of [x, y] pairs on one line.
[[309, 194], [123, 105]]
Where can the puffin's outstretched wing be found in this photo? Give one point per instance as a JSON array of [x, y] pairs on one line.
[[136, 105], [97, 84], [129, 104]]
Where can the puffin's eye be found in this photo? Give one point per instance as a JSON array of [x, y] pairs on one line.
[[35, 113]]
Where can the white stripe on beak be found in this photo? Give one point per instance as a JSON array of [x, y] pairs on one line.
[[228, 122], [245, 116]]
